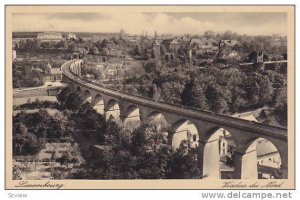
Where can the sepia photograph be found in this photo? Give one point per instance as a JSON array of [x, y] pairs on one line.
[[152, 97]]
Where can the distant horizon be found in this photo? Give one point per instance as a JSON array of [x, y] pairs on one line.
[[134, 23], [149, 35]]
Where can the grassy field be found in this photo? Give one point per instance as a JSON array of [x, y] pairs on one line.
[[31, 93]]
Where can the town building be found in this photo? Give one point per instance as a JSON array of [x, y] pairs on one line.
[[267, 154], [229, 43], [268, 157], [186, 133], [174, 45], [156, 49], [260, 57], [50, 37], [226, 147], [268, 160], [111, 72], [14, 54], [78, 54], [133, 39], [122, 33], [71, 36], [200, 46], [52, 74]]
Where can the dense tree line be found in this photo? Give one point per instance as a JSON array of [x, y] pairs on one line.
[[96, 72], [36, 45], [26, 76], [221, 90], [141, 154], [100, 47], [32, 130], [37, 104], [69, 99]]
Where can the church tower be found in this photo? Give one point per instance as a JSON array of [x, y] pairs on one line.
[[260, 61], [156, 47], [260, 57]]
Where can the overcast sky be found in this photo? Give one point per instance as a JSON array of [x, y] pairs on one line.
[[136, 22]]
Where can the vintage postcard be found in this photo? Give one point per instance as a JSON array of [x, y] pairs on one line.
[[150, 97]]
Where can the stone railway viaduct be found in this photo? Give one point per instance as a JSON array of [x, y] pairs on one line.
[[128, 107]]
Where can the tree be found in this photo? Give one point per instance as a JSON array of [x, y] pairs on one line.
[[239, 102], [193, 96], [20, 131], [87, 118], [183, 164], [115, 135], [152, 65], [155, 136], [96, 72], [72, 46], [139, 139], [284, 56], [252, 89], [153, 165], [69, 100], [105, 51], [93, 50], [281, 107], [62, 97], [26, 76], [215, 98], [266, 90], [16, 173], [171, 92], [252, 57], [45, 45], [24, 142], [104, 43], [62, 44]]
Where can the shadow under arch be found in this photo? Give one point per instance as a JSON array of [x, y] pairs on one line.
[[218, 152], [99, 104], [132, 116], [184, 130], [158, 120], [157, 117], [87, 96], [112, 110]]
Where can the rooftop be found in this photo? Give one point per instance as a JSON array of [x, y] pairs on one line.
[[55, 71]]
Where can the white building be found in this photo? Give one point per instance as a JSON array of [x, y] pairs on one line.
[[14, 54], [111, 72], [226, 147], [49, 37], [230, 43], [267, 154], [185, 132], [71, 36], [52, 74]]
